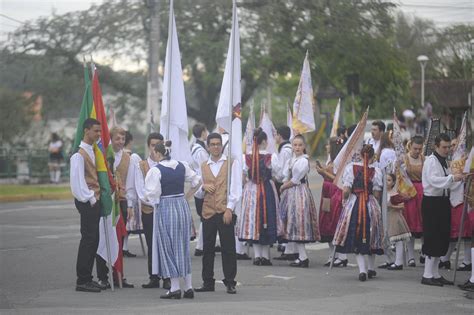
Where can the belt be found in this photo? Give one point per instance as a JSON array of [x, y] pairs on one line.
[[172, 196]]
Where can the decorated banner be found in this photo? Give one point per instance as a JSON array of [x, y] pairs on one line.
[[303, 114]]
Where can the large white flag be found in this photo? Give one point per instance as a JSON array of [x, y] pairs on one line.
[[230, 92], [335, 122], [268, 127], [174, 116], [303, 115], [249, 129]]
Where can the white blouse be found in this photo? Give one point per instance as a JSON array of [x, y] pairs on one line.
[[348, 176], [152, 188], [140, 181], [434, 180], [299, 166], [387, 156]]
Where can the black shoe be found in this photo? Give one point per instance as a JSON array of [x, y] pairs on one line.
[[340, 263], [176, 295], [152, 284], [265, 262], [217, 249], [443, 281], [257, 261], [430, 281], [328, 263], [371, 274], [300, 263], [126, 253], [286, 257], [87, 287], [125, 284], [198, 252], [205, 288], [465, 267], [444, 264], [384, 265], [281, 248], [231, 289], [395, 267], [362, 276], [468, 286], [243, 257], [104, 283], [167, 284], [101, 285], [422, 260], [188, 294], [411, 263]]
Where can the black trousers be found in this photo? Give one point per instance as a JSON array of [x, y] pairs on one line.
[[147, 220], [210, 228], [90, 216], [436, 213], [199, 202]]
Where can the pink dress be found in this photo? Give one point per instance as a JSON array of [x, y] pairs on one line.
[[412, 211], [328, 220]]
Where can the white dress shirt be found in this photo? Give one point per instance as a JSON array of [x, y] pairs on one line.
[[140, 182], [199, 155], [235, 194], [434, 180], [279, 161], [77, 178], [152, 189], [375, 144], [297, 167], [130, 193]]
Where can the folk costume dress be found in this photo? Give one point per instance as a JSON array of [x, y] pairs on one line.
[[257, 222], [298, 214], [164, 187], [360, 228], [412, 210], [330, 207]]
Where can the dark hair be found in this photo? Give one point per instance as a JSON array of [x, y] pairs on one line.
[[213, 135], [380, 124], [154, 135], [341, 131], [441, 137], [417, 140], [394, 178], [300, 137], [367, 149], [164, 148], [351, 129], [260, 135], [335, 145], [89, 122], [385, 141], [128, 137], [284, 132], [55, 137], [198, 129]]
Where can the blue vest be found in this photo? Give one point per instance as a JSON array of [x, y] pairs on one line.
[[172, 180]]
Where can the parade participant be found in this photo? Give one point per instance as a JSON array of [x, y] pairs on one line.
[[436, 209], [360, 228], [217, 214], [377, 130], [55, 148], [398, 230], [297, 209], [200, 155], [331, 202], [125, 188], [257, 222], [386, 153], [86, 191], [141, 171], [164, 187], [469, 169], [134, 223], [279, 160], [413, 165]]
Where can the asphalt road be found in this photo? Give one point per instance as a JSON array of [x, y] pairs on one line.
[[38, 248]]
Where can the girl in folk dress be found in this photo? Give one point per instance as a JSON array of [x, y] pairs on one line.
[[164, 187], [398, 230], [331, 202], [298, 214], [257, 222], [360, 228]]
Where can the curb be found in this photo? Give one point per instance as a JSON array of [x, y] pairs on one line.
[[33, 197]]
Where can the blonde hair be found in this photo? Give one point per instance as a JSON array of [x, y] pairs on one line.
[[117, 131]]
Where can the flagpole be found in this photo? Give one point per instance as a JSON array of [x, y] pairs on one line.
[[231, 94], [170, 44]]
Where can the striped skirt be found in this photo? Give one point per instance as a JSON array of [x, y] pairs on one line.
[[298, 216], [171, 235]]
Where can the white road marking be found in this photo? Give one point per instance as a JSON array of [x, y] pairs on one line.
[[279, 277]]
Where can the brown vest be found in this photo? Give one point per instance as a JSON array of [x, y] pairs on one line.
[[90, 174], [121, 174], [144, 167], [216, 202]]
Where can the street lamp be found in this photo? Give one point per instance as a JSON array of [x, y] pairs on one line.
[[422, 60]]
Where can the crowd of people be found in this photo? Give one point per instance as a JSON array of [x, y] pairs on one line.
[[267, 202]]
